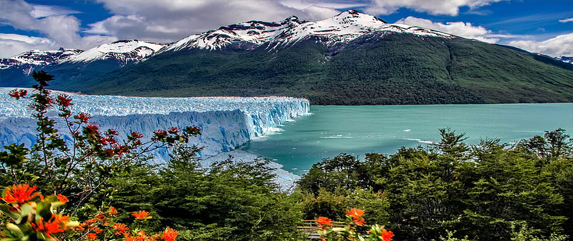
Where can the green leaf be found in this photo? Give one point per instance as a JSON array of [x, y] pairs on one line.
[[26, 210], [15, 230], [43, 209], [6, 210]]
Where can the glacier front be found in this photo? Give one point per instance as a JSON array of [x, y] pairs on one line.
[[226, 122]]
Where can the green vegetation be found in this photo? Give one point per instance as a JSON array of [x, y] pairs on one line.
[[374, 69], [486, 192], [447, 191]]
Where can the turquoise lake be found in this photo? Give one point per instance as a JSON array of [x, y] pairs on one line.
[[357, 130]]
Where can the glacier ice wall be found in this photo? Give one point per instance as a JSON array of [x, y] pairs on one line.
[[226, 122]]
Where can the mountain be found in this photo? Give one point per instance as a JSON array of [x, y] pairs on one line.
[[566, 59], [351, 58], [70, 64]]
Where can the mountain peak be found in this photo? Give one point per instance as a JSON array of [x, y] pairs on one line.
[[291, 20], [341, 28]]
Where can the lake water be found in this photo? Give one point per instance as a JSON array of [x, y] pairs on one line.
[[357, 130]]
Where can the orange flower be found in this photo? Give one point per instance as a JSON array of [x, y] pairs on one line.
[[356, 215], [121, 228], [355, 212], [141, 215], [169, 234], [56, 224], [112, 211], [387, 235], [323, 220], [92, 236], [19, 193], [141, 236], [62, 198]]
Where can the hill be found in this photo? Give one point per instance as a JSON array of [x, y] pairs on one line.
[[349, 59]]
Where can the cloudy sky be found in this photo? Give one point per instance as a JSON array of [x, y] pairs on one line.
[[542, 26]]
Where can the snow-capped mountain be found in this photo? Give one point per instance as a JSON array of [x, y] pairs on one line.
[[343, 27], [123, 51], [350, 58], [39, 57]]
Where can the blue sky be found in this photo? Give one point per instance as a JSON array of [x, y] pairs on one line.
[[541, 26]]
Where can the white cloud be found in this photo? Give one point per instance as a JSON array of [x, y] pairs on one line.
[[41, 11], [435, 7], [561, 45], [13, 44], [466, 30], [61, 29], [167, 21], [566, 20]]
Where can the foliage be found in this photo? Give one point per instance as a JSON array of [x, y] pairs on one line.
[[480, 191], [353, 220], [30, 216], [227, 201], [81, 168], [489, 191]]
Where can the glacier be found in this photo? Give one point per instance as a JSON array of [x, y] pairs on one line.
[[226, 122]]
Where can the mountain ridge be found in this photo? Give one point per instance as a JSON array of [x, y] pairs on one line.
[[254, 32], [351, 58]]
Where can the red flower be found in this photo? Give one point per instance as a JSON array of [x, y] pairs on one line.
[[173, 130], [82, 117], [64, 100], [169, 234], [109, 152], [93, 128], [112, 132], [19, 193], [50, 100], [62, 198], [18, 94], [387, 235], [121, 228], [103, 141], [141, 215], [160, 132], [356, 215], [193, 130], [136, 135], [56, 224]]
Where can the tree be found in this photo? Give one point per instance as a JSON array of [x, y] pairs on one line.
[[81, 168]]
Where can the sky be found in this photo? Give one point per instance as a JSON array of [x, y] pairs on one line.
[[540, 26]]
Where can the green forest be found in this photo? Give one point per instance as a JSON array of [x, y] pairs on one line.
[[446, 191]]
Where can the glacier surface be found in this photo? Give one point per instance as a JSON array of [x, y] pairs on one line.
[[226, 122]]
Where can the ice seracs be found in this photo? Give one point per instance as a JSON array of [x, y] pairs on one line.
[[227, 121]]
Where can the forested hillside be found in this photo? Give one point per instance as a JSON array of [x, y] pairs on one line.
[[378, 68]]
